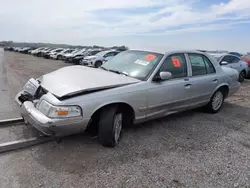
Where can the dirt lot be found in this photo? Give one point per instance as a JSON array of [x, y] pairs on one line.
[[190, 149]]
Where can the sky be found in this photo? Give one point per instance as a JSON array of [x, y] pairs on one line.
[[158, 25]]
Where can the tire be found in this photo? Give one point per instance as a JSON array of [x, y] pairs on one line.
[[110, 126], [98, 64], [59, 57], [216, 102], [242, 76]]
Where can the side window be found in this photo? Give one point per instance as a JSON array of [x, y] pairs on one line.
[[235, 60], [227, 58], [209, 66], [176, 64], [198, 64], [115, 53]]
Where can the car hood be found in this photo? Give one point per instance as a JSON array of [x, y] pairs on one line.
[[79, 57], [90, 57], [68, 55], [73, 80]]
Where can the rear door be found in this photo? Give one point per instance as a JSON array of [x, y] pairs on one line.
[[203, 80]]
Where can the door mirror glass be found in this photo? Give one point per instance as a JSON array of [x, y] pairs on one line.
[[165, 75], [223, 63]]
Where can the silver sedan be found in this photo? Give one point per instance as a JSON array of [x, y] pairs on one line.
[[234, 62], [133, 87]]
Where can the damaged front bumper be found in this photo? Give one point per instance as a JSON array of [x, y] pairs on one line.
[[50, 126]]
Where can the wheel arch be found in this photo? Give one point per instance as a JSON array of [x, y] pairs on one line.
[[127, 108], [224, 87]]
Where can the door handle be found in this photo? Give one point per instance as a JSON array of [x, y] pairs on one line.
[[187, 86], [215, 80]]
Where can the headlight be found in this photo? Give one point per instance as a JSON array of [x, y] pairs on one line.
[[59, 111]]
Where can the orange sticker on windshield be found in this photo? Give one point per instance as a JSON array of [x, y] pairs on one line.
[[176, 62], [150, 57]]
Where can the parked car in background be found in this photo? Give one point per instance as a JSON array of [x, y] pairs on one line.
[[38, 51], [42, 52], [31, 49], [236, 54], [8, 48], [246, 58], [19, 49], [132, 87], [234, 62], [35, 51], [16, 49], [98, 59], [52, 52], [77, 60], [69, 54], [25, 50], [71, 57], [58, 56]]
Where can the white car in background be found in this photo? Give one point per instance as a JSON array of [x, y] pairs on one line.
[[234, 62], [69, 54], [58, 56], [50, 52], [98, 59], [34, 52]]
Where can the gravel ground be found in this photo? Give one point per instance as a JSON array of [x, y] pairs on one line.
[[190, 149]]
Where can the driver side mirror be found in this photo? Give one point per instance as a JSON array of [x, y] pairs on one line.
[[223, 63], [163, 76]]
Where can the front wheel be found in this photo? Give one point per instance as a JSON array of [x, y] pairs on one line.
[[242, 76], [216, 102], [59, 57], [110, 126], [98, 64]]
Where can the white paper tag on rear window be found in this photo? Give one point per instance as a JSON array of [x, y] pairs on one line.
[[142, 62]]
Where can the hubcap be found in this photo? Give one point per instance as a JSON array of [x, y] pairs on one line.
[[117, 126], [217, 100]]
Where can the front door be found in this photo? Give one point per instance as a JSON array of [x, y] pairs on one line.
[[169, 96]]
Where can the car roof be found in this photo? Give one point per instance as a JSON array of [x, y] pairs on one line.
[[170, 51]]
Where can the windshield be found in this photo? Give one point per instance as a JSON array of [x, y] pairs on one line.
[[75, 51], [101, 53], [81, 51], [137, 64], [93, 52]]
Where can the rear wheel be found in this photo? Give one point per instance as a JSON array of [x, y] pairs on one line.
[[216, 102], [110, 126], [242, 76]]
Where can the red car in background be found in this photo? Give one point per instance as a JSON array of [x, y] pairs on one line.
[[246, 58]]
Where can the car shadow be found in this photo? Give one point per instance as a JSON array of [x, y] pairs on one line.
[[180, 134]]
